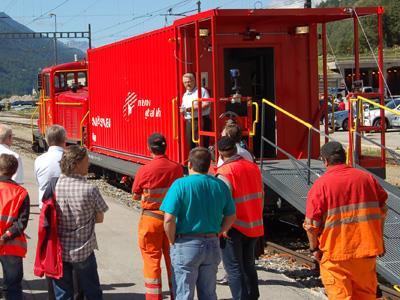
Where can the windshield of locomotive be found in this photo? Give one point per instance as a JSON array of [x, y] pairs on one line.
[[70, 81]]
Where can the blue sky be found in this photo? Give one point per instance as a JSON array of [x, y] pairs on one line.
[[117, 19]]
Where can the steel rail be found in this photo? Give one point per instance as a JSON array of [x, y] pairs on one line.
[[312, 264]]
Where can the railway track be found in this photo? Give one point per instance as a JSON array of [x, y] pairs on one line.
[[384, 292]]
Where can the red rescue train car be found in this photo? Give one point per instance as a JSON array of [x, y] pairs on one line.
[[135, 85]]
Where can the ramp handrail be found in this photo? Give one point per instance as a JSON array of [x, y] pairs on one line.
[[304, 123], [393, 153]]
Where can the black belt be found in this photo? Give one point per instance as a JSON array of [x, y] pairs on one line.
[[197, 235]]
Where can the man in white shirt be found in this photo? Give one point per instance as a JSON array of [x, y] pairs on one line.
[[234, 131], [189, 96], [6, 140], [47, 165]]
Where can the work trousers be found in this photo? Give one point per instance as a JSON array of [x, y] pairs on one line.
[[195, 264], [239, 263], [88, 278], [12, 276], [153, 243], [353, 279], [206, 126]]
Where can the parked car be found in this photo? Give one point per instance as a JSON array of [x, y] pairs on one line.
[[321, 103], [20, 105], [372, 116], [341, 119]]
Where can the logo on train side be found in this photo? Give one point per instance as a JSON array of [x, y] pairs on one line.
[[132, 104], [101, 122], [129, 104]]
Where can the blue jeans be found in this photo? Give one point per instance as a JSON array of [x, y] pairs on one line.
[[88, 279], [238, 259], [195, 264], [12, 276]]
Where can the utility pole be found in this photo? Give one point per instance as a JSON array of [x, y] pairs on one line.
[[55, 37], [307, 4], [198, 6]]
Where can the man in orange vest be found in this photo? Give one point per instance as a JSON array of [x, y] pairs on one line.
[[14, 210], [345, 214], [152, 182], [245, 182]]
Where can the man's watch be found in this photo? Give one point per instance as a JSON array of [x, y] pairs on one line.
[[314, 250]]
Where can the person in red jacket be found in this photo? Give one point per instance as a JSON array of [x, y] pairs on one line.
[[14, 216], [245, 182], [152, 182]]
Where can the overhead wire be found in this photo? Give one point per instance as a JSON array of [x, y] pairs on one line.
[[46, 12], [9, 5], [149, 14], [373, 54], [82, 12]]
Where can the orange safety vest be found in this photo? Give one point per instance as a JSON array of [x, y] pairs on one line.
[[352, 231], [152, 198], [11, 198], [247, 192]]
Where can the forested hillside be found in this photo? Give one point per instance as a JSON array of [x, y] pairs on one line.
[[341, 35], [20, 59]]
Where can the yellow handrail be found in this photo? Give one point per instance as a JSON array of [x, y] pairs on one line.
[[34, 112], [174, 131], [376, 104], [70, 103], [253, 132], [81, 126], [196, 141], [308, 125]]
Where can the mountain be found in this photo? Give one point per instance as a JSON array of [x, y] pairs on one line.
[[21, 59], [341, 33]]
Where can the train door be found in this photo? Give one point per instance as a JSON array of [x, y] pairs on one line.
[[46, 117], [256, 80]]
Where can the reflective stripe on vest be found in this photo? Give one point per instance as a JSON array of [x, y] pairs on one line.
[[249, 225], [7, 219], [154, 195], [248, 197], [350, 207], [352, 220], [18, 243]]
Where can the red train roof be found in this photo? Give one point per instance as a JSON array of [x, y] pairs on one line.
[[296, 15], [75, 65]]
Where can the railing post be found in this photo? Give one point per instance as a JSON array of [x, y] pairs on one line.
[[262, 133], [309, 156]]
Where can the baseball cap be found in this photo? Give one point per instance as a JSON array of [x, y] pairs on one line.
[[157, 141], [331, 148], [226, 143]]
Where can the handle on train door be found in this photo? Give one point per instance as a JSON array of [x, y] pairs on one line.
[[174, 123], [253, 132], [194, 140]]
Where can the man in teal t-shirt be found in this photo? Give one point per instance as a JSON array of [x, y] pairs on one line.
[[197, 208]]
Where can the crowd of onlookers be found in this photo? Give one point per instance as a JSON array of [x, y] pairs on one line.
[[192, 221]]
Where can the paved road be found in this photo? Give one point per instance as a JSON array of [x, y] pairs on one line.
[[119, 258], [392, 138]]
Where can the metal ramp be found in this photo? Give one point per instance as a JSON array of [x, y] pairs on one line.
[[389, 265], [289, 180]]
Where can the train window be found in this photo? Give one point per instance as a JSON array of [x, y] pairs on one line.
[[82, 80], [47, 85], [59, 82], [70, 79]]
